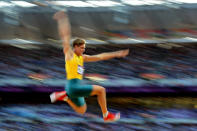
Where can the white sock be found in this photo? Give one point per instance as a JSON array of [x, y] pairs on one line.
[[66, 98], [106, 114]]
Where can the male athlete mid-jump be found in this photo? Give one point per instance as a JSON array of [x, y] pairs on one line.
[[74, 58]]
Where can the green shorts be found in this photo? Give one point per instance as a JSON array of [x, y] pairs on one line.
[[76, 91]]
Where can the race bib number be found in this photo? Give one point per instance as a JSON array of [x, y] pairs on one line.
[[80, 69]]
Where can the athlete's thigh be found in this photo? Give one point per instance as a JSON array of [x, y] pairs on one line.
[[80, 90], [79, 101]]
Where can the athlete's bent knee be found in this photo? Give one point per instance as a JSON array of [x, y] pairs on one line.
[[101, 90], [81, 110], [98, 90]]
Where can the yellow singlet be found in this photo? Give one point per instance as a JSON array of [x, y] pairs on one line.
[[74, 67]]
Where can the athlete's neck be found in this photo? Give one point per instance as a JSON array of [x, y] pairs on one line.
[[77, 54]]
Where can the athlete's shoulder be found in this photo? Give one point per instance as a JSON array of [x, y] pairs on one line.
[[69, 55]]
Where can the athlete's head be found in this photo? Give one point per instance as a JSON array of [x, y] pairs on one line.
[[79, 46]]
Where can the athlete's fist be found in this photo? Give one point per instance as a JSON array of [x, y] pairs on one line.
[[122, 53], [59, 15]]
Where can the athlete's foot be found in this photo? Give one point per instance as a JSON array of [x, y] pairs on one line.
[[58, 96], [111, 117]]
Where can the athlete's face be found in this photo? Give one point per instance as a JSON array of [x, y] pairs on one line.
[[79, 50]]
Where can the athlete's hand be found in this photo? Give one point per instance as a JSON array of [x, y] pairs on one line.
[[59, 15], [122, 53]]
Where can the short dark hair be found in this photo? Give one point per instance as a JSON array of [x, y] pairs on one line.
[[78, 42]]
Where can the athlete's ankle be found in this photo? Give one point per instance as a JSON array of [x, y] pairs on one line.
[[105, 114], [65, 98]]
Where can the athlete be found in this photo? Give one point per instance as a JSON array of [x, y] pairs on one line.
[[74, 58]]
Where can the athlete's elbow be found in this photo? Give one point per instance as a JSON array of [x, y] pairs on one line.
[[97, 58], [65, 49]]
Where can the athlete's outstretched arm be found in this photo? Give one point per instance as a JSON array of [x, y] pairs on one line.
[[64, 31], [106, 56]]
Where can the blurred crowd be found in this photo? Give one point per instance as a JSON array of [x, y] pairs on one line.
[[144, 62], [135, 116]]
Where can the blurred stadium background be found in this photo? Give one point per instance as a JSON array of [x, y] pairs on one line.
[[154, 88]]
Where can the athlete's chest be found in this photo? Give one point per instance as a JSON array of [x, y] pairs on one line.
[[78, 60]]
